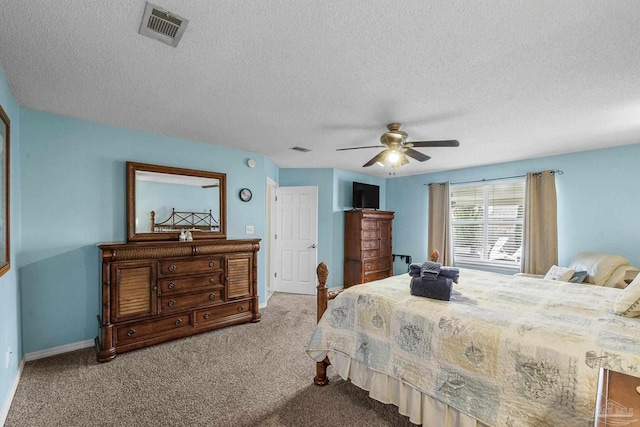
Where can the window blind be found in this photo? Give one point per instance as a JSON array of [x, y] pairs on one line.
[[487, 221]]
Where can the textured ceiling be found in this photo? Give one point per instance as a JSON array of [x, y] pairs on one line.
[[508, 79]]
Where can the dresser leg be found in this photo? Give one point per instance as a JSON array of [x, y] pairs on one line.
[[256, 314], [104, 350]]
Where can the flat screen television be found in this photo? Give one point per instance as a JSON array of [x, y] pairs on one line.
[[366, 196]]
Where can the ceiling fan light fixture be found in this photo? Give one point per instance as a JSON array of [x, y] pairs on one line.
[[397, 148], [400, 161], [383, 159], [394, 157]]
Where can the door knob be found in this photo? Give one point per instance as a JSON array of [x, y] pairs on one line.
[[312, 246]]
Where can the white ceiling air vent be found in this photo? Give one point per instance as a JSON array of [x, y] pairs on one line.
[[162, 25]]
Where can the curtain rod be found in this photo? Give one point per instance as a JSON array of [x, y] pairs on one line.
[[553, 172]]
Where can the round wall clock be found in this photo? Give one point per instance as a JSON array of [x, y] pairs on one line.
[[245, 194]]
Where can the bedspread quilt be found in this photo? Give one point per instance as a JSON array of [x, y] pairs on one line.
[[507, 350]]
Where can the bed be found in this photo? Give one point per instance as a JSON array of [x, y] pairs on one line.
[[504, 351], [185, 220]]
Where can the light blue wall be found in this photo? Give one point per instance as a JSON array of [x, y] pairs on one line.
[[598, 202], [334, 197], [10, 335], [73, 186]]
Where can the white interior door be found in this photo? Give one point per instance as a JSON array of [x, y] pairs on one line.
[[271, 233], [296, 239]]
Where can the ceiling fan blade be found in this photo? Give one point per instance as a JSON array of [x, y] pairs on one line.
[[416, 155], [447, 143], [381, 155], [358, 148]]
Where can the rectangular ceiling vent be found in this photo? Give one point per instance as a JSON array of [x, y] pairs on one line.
[[162, 25], [300, 149]]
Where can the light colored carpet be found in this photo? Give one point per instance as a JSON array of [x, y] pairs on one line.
[[257, 374]]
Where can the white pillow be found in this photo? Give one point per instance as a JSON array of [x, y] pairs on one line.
[[628, 302], [562, 274]]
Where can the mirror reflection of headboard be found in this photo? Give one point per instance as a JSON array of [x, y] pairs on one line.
[[179, 199]]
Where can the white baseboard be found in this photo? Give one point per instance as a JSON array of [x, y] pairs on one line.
[[58, 350], [7, 403]]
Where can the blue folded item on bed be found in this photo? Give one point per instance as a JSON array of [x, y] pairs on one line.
[[452, 273], [439, 288], [415, 269], [430, 270]]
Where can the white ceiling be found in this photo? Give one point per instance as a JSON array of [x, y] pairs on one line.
[[508, 79]]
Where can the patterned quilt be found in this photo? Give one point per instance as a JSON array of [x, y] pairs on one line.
[[507, 350]]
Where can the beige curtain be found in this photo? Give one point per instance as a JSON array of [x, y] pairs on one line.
[[440, 223], [540, 239]]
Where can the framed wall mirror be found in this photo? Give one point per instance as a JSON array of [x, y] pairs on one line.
[[164, 203], [5, 254]]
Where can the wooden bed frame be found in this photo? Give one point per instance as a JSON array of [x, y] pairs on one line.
[[322, 301]]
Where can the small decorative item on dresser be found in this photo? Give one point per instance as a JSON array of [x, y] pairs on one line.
[[245, 194]]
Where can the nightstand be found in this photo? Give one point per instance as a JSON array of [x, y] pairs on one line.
[[618, 401]]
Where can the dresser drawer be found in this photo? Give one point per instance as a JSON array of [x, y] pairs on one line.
[[370, 277], [370, 234], [377, 264], [371, 253], [149, 329], [370, 244], [213, 314], [190, 283], [188, 266], [169, 304], [370, 224]]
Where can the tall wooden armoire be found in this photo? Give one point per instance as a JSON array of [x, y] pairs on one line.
[[367, 246]]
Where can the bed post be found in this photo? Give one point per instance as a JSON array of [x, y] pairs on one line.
[[434, 255], [322, 300]]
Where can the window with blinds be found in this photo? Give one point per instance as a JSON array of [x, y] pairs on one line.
[[487, 222]]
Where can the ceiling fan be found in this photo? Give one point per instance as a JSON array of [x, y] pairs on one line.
[[398, 148]]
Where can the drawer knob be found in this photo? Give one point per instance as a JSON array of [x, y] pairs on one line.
[[131, 332], [212, 280], [172, 303], [172, 285], [241, 308], [178, 322], [212, 296], [211, 264], [207, 315], [172, 267]]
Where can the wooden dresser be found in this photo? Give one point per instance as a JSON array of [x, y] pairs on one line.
[[160, 291], [367, 246]]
